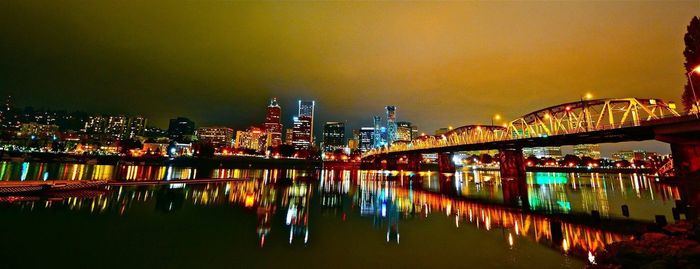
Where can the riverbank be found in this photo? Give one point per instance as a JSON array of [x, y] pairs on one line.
[[215, 161], [673, 246]]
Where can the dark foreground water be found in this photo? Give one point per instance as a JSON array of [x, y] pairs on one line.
[[323, 218]]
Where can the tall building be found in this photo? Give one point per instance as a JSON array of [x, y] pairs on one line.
[[301, 135], [366, 138], [136, 127], [377, 140], [273, 124], [219, 137], [391, 127], [288, 136], [306, 109], [587, 150], [95, 125], [333, 136], [181, 129], [404, 131], [116, 126]]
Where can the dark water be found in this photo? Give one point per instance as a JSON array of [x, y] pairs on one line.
[[324, 218]]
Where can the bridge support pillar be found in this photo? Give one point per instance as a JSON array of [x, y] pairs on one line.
[[512, 164], [686, 159], [414, 161], [513, 177], [445, 164]]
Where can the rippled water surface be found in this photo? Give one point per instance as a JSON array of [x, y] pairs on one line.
[[321, 218]]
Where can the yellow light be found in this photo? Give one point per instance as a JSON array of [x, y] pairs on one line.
[[497, 117], [546, 116], [450, 127], [589, 96], [697, 69], [672, 105]]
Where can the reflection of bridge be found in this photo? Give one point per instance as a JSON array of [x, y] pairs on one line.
[[591, 121]]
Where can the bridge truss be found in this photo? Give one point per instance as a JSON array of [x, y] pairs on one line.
[[568, 118]]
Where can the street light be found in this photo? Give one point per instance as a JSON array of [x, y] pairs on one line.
[[584, 108], [692, 89], [495, 117]]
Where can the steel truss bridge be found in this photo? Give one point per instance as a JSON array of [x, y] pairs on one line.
[[603, 119]]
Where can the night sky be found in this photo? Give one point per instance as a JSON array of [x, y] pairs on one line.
[[439, 63]]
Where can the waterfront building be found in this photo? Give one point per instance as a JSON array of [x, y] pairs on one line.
[[391, 127], [219, 137], [254, 138], [181, 129], [404, 131], [632, 155], [36, 130], [587, 150], [366, 138], [333, 136], [273, 123], [543, 152]]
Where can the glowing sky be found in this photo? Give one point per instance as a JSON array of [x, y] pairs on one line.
[[439, 63]]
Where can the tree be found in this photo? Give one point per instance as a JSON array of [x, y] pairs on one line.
[[692, 60]]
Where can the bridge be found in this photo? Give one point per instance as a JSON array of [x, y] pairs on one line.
[[581, 122]]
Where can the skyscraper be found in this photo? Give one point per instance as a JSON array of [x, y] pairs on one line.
[[272, 123], [333, 136], [306, 109], [302, 136], [391, 127], [366, 138], [377, 135]]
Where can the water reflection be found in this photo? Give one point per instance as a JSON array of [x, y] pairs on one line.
[[287, 196]]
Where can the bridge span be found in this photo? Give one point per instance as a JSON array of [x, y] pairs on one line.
[[582, 122]]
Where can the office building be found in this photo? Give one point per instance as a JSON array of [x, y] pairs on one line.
[[273, 123], [219, 137], [181, 130], [587, 150], [391, 127], [333, 136]]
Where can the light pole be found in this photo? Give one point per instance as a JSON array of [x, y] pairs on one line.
[[692, 89], [584, 108], [495, 117]]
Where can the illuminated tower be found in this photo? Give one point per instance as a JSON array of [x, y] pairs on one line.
[[272, 123], [391, 127], [377, 133], [302, 136]]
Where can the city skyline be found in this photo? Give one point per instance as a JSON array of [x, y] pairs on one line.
[[618, 55]]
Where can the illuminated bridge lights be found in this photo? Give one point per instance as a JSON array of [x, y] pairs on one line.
[[569, 118]]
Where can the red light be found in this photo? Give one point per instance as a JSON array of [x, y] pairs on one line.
[[568, 108]]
